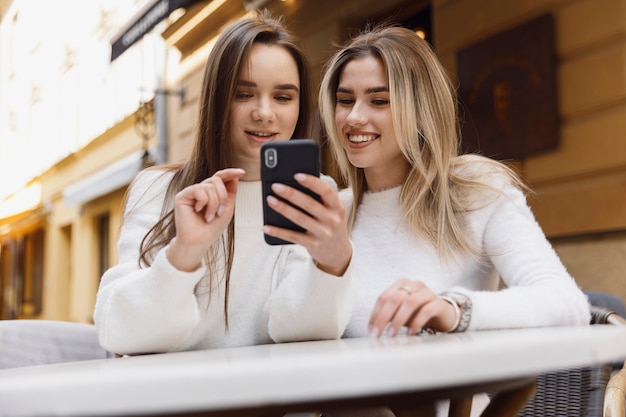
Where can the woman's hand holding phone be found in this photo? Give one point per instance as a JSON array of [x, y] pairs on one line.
[[325, 234], [201, 213], [301, 208]]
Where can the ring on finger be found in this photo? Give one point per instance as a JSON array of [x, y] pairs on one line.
[[407, 290]]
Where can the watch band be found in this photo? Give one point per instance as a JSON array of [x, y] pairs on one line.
[[464, 304]]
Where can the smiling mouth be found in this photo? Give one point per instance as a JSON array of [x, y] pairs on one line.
[[261, 134], [361, 138]]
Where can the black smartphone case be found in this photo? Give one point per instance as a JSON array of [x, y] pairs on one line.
[[280, 161]]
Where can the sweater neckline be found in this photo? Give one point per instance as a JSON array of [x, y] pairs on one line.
[[393, 187], [387, 194]]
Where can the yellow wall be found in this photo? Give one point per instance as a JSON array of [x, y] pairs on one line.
[[58, 264], [71, 251]]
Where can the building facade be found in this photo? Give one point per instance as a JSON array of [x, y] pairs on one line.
[[55, 247], [72, 136]]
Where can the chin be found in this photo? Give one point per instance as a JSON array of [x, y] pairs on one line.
[[357, 163]]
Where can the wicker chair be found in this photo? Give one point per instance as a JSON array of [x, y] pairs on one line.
[[580, 392], [615, 393]]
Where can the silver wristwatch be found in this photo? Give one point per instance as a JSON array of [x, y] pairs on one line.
[[465, 305]]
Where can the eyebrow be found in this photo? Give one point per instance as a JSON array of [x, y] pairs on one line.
[[370, 90], [246, 83]]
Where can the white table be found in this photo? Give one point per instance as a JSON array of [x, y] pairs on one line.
[[305, 376]]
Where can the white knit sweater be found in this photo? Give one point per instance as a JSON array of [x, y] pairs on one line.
[[539, 292], [276, 292]]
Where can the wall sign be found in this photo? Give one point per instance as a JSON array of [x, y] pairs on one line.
[[508, 92], [147, 18]]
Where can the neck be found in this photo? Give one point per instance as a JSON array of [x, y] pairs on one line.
[[379, 180], [252, 168]]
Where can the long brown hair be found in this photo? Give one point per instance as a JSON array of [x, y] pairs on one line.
[[213, 148]]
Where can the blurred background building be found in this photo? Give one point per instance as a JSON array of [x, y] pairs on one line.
[[92, 91]]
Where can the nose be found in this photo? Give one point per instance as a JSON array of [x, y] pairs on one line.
[[263, 110], [356, 116]]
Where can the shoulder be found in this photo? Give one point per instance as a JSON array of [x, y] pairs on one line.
[[152, 177], [148, 186], [482, 169], [329, 180], [476, 171], [346, 197], [483, 185]]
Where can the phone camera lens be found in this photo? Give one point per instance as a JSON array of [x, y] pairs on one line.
[[270, 158]]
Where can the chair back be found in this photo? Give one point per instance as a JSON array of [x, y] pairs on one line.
[[577, 392], [40, 342]]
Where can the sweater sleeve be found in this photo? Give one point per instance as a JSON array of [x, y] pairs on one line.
[[148, 309], [539, 290], [309, 304]]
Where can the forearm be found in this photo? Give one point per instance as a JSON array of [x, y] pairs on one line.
[[310, 304], [538, 306], [146, 310]]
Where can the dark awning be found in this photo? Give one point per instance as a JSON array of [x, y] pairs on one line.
[[143, 22]]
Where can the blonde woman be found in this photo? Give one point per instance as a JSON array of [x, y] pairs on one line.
[[433, 231]]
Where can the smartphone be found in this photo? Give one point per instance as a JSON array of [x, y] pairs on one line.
[[280, 161]]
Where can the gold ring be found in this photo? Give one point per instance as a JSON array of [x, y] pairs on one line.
[[408, 291]]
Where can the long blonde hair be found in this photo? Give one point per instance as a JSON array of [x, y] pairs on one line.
[[213, 148], [424, 112]]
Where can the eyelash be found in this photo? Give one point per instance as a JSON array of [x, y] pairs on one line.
[[375, 102], [280, 98], [242, 96]]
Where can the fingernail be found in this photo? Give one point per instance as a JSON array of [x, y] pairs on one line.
[[278, 187], [272, 201], [374, 331], [390, 332], [300, 177], [220, 210], [210, 217]]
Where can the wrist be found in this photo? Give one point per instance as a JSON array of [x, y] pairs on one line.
[[182, 258], [338, 269], [463, 308], [457, 313]]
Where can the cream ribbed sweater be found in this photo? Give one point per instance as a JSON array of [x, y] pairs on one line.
[[276, 292]]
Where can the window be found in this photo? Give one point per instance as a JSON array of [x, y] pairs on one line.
[[5, 273], [103, 243], [30, 264]]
